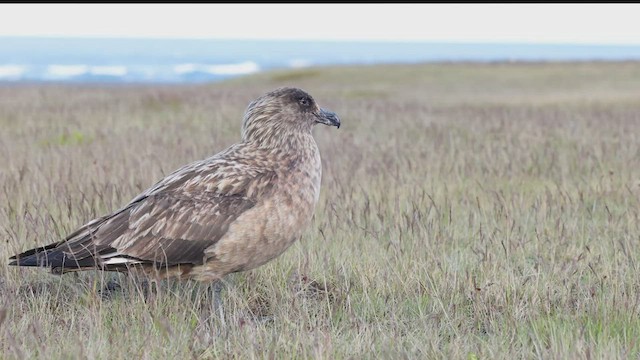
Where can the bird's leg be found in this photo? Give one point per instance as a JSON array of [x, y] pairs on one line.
[[208, 328], [146, 287], [215, 290], [153, 290]]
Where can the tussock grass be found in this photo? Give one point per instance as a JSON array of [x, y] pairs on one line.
[[467, 211]]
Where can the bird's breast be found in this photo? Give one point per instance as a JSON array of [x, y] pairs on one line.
[[302, 178], [278, 220]]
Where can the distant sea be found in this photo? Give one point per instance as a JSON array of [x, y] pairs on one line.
[[26, 59]]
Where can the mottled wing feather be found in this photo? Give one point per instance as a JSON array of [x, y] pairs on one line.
[[178, 218], [227, 173], [168, 230]]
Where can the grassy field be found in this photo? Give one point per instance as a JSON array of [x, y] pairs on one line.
[[467, 211]]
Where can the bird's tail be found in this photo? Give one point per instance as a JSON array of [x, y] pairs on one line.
[[53, 257]]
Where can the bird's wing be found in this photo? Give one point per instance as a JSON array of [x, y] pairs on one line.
[[167, 229], [172, 222]]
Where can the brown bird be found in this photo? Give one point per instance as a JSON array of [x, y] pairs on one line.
[[231, 212]]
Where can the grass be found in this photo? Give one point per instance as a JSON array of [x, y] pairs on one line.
[[467, 211]]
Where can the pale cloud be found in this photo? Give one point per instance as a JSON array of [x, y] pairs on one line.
[[541, 23]]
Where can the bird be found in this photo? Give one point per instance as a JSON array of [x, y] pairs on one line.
[[231, 212]]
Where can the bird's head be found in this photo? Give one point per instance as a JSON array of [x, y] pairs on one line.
[[284, 111]]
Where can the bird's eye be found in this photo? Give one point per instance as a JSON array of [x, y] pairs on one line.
[[304, 101]]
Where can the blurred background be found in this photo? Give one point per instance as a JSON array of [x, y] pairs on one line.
[[123, 43]]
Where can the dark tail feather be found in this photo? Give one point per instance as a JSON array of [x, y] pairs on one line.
[[30, 257], [49, 256]]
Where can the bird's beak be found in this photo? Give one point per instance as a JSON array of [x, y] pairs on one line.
[[328, 118]]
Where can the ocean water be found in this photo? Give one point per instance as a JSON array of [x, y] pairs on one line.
[[186, 61]]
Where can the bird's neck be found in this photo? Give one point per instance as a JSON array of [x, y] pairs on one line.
[[292, 142]]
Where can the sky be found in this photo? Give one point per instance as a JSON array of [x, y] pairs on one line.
[[519, 23]]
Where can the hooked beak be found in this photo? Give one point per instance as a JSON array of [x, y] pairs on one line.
[[328, 118]]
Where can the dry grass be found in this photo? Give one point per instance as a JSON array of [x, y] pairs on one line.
[[467, 211]]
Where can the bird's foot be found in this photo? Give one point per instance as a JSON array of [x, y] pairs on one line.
[[110, 289]]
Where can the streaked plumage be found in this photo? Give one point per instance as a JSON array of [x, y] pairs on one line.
[[231, 212]]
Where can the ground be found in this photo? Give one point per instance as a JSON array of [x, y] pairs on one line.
[[467, 211]]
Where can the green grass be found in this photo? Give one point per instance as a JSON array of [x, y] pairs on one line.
[[467, 211]]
